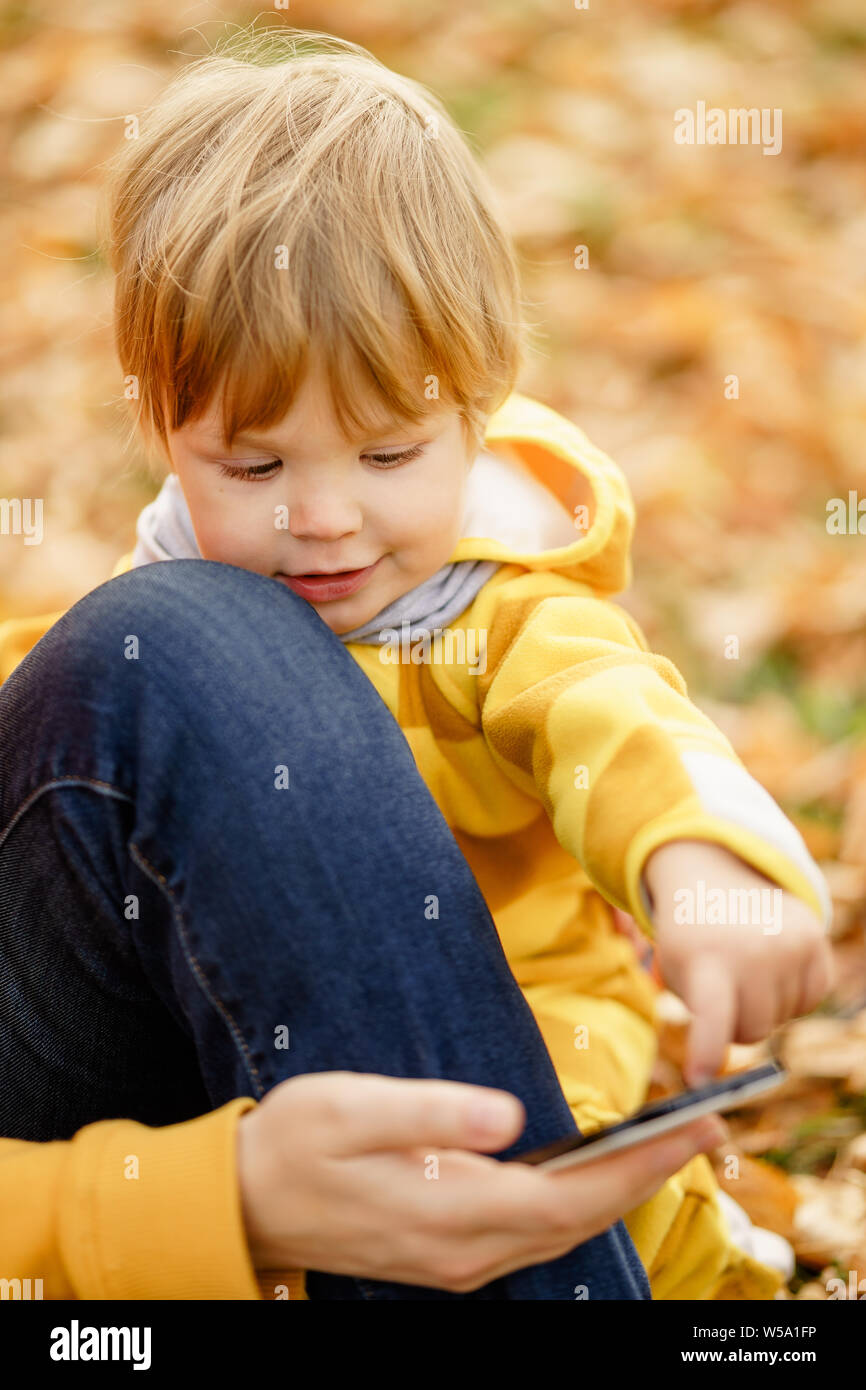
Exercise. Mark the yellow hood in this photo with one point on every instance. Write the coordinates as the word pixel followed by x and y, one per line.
pixel 554 452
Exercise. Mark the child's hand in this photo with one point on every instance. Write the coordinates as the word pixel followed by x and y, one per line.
pixel 740 979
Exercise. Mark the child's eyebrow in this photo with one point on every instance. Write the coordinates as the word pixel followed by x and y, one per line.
pixel 217 444
pixel 212 443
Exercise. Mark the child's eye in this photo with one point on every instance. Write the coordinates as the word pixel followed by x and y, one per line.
pixel 258 470
pixel 389 460
pixel 266 470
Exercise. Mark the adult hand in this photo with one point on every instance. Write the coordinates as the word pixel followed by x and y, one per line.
pixel 334 1174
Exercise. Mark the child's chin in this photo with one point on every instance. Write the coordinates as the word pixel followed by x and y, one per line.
pixel 344 621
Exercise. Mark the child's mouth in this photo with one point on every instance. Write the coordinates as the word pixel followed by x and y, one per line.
pixel 323 588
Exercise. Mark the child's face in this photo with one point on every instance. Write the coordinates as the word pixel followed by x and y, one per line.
pixel 322 504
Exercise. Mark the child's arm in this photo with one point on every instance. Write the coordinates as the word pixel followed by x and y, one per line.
pixel 577 711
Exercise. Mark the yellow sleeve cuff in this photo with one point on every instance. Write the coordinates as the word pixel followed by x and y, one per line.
pixel 799 877
pixel 156 1213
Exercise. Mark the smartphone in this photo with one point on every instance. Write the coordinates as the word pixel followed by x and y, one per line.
pixel 657 1118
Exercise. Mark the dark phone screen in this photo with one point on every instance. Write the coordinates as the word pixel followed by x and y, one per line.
pixel 668 1106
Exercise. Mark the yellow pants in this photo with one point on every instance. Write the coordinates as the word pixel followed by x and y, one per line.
pixel 681 1236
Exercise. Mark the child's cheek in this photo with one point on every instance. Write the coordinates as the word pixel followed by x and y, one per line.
pixel 233 532
pixel 434 521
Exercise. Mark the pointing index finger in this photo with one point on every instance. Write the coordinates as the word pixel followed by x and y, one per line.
pixel 710 995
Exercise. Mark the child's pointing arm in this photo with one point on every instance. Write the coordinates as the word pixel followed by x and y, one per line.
pixel 576 709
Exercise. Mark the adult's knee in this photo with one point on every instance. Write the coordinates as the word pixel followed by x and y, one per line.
pixel 182 606
pixel 171 616
pixel 184 631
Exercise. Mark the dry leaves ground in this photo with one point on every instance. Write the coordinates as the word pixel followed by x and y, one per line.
pixel 703 262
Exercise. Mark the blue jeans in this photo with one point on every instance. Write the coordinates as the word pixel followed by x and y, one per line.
pixel 168 904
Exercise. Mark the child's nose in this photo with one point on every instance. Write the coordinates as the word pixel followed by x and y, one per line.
pixel 324 518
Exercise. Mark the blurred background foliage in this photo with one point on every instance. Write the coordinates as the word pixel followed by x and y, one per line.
pixel 704 261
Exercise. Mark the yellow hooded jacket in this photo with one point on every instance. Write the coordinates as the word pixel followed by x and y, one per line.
pixel 561 752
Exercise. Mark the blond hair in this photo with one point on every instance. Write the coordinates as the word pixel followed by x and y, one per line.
pixel 289 200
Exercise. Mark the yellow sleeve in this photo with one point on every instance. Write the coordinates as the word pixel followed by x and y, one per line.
pixel 126 1211
pixel 577 710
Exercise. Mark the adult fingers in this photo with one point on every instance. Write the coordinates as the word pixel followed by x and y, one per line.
pixel 603 1191
pixel 367 1113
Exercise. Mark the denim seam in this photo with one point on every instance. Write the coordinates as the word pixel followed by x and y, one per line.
pixel 59 782
pixel 161 882
pixel 240 1043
